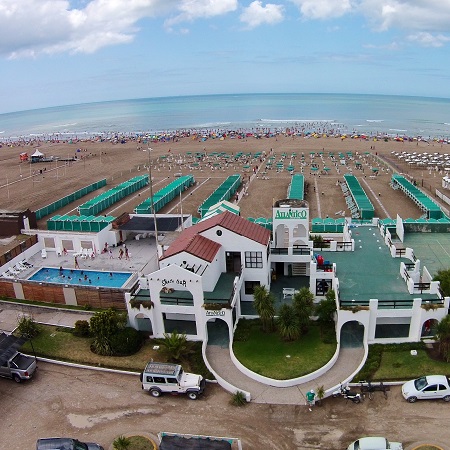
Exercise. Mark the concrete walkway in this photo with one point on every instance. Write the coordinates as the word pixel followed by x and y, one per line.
pixel 219 359
pixel 11 312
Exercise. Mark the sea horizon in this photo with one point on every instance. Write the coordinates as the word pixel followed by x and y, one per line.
pixel 370 114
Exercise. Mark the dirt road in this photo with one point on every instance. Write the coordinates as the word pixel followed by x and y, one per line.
pixel 100 406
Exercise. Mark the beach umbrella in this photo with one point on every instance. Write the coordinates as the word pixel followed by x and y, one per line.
pixel 314 169
pixel 327 169
pixel 374 169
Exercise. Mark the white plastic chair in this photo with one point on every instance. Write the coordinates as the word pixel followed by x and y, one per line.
pixel 44 253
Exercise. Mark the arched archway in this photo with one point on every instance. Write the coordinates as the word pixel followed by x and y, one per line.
pixel 428 327
pixel 143 323
pixel 218 332
pixel 352 334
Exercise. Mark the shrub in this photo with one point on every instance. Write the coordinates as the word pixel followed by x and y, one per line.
pixel 81 328
pixel 238 399
pixel 126 342
pixel 121 443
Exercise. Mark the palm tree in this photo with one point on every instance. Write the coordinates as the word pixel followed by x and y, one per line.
pixel 264 304
pixel 175 346
pixel 442 333
pixel 288 325
pixel 304 307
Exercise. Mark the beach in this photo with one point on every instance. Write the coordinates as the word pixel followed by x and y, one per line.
pixel 24 185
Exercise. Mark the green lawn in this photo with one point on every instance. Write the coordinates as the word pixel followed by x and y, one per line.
pixel 403 366
pixel 268 355
pixel 55 343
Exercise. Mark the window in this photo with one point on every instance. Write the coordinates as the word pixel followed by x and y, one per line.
pixel 253 260
pixel 442 387
pixel 219 232
pixel 149 379
pixel 431 388
pixel 172 380
pixel 249 286
pixel 160 380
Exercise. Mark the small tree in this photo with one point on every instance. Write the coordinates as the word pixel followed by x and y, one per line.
pixel 443 276
pixel 103 325
pixel 27 327
pixel 175 346
pixel 264 304
pixel 287 322
pixel 326 308
pixel 442 333
pixel 304 307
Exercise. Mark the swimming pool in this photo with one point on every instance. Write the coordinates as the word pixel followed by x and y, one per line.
pixel 76 277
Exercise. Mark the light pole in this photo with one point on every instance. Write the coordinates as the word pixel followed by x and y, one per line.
pixel 152 201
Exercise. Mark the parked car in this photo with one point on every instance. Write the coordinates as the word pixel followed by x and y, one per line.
pixel 374 443
pixel 428 387
pixel 57 443
pixel 158 378
pixel 18 367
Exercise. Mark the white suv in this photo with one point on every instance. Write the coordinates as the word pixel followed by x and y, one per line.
pixel 158 378
pixel 429 387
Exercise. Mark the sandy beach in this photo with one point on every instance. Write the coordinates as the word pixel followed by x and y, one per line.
pixel 22 185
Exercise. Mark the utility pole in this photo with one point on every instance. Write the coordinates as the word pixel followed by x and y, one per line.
pixel 152 202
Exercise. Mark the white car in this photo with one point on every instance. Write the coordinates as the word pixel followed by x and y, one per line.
pixel 374 443
pixel 429 387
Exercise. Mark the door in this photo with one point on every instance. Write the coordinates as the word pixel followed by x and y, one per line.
pixel 430 391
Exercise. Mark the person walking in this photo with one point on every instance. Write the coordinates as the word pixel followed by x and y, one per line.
pixel 111 254
pixel 311 398
pixel 77 266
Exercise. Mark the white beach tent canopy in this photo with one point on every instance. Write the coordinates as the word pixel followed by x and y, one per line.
pixel 221 207
pixel 37 154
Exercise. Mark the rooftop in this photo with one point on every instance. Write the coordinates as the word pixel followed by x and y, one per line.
pixel 370 272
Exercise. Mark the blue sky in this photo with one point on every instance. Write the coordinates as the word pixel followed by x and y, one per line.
pixel 58 52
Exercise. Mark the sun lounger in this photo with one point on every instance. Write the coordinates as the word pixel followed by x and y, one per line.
pixel 7 274
pixel 44 253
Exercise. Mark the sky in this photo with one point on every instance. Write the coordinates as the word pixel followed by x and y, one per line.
pixel 60 52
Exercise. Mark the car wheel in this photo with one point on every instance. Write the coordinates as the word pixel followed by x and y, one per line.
pixel 155 393
pixel 447 398
pixel 411 399
pixel 192 395
pixel 17 378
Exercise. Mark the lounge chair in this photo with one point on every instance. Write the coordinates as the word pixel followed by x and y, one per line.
pixel 58 251
pixel 13 271
pixel 44 253
pixel 26 263
pixel 7 274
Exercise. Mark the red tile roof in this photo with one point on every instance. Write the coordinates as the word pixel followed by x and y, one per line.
pixel 204 248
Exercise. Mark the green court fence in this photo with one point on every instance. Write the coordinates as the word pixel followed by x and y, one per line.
pixel 224 192
pixel 328 225
pixel 109 198
pixel 79 223
pixel 296 189
pixel 425 203
pixel 362 202
pixel 52 207
pixel 165 195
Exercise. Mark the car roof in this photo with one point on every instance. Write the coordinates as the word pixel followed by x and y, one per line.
pixel 372 443
pixel 436 379
pixel 55 444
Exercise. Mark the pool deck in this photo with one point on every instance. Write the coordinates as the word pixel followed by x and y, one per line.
pixel 142 253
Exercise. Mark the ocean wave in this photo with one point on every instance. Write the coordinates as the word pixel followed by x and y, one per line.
pixel 445 123
pixel 400 131
pixel 1 132
pixel 65 125
pixel 375 120
pixel 297 120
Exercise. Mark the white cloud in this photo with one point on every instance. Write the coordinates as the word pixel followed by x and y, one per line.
pixel 420 15
pixel 323 9
pixel 33 27
pixel 256 14
pixel 428 39
pixel 189 10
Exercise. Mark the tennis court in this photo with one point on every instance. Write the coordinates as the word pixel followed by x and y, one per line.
pixel 433 249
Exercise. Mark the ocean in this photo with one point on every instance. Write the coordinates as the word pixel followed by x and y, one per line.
pixel 342 113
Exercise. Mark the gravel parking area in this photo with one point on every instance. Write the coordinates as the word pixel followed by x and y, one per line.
pixel 97 406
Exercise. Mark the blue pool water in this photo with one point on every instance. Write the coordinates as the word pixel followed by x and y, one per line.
pixel 77 277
